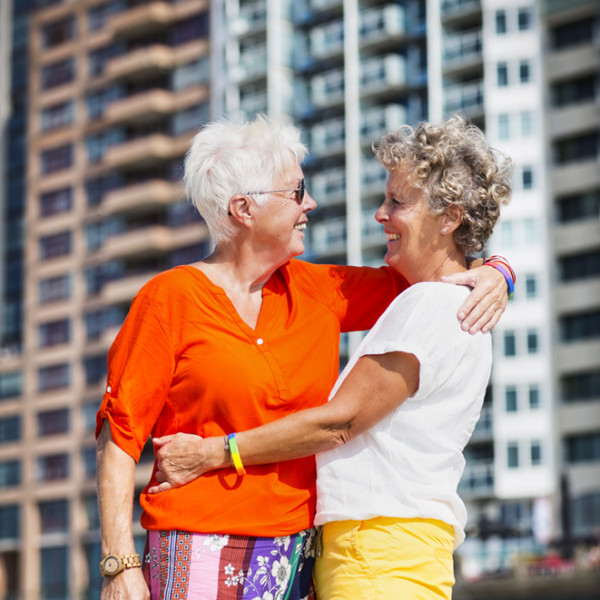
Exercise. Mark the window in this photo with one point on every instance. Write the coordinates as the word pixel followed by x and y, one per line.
pixel 99 57
pixel 586 514
pixel 53 467
pixel 58 32
pixel 97 145
pixel 511 399
pixel 10 429
pixel 57 115
pixel 582 147
pixel 89 410
pixel 58 73
pixel 56 159
pixel 56 201
pixel 581 387
pixel 527 178
pixel 58 244
pixel 532 341
pixel 507 234
pixel 534 397
pixel 574 91
pixel 512 455
pixel 10 518
pixel 55 288
pixel 530 232
pixel 531 286
pixel 502 74
pixel 53 422
pixel 526 123
pixel 524 19
pixel 510 343
pixel 54 377
pixel 11 385
pixel 524 71
pixel 536 454
pixel 501 22
pixel 583 326
pixel 578 207
pixel 582 448
pixel 54 578
pixel 89 462
pixel 572 34
pixel 95 369
pixel 190 119
pixel 98 15
pixel 504 127
pixel 54 516
pixel 190 29
pixel 190 74
pixel 54 333
pixel 579 266
pixel 10 473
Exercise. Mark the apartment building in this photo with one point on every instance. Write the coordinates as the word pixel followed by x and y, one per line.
pixel 115 91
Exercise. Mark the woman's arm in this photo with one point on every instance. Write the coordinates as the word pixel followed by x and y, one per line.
pixel 375 386
pixel 115 502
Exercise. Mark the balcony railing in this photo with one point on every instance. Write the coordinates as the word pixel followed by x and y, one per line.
pixel 465 47
pixel 466 98
pixel 477 479
pixel 252 17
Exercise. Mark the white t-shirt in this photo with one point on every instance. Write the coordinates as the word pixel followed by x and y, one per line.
pixel 410 463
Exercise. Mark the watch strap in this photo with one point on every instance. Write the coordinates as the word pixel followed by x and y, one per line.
pixel 131 560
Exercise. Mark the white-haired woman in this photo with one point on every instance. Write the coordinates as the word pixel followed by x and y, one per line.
pixel 242 338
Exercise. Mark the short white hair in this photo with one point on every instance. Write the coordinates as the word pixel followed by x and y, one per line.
pixel 226 159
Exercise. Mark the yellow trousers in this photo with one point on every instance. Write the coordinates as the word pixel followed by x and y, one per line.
pixel 385 559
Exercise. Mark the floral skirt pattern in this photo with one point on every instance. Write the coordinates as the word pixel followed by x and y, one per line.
pixel 181 565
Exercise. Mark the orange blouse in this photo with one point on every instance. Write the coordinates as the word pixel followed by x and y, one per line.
pixel 185 361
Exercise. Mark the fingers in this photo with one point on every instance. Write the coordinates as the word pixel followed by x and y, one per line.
pixel 165 486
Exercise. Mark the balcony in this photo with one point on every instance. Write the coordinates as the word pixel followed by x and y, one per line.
pixel 123 290
pixel 329 137
pixel 457 12
pixel 567 63
pixel 463 53
pixel 327 89
pixel 146 152
pixel 328 188
pixel 142 196
pixel 575 118
pixel 383 73
pixel 141 108
pixel 327 40
pixel 477 480
pixel 467 99
pixel 574 177
pixel 382 25
pixel 254 103
pixel 376 122
pixel 252 64
pixel 252 18
pixel 578 296
pixel 141 63
pixel 145 19
pixel 484 428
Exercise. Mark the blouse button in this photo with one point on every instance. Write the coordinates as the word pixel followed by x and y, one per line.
pixel 108 390
pixel 260 341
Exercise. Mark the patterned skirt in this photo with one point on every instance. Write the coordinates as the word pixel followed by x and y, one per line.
pixel 183 565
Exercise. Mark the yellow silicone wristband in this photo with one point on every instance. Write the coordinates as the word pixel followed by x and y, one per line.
pixel 235 455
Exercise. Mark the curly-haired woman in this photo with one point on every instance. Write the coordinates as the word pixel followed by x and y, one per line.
pixel 390 440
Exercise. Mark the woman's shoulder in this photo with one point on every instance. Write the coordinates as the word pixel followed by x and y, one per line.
pixel 428 295
pixel 174 282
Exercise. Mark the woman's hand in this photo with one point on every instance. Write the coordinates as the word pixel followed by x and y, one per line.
pixel 183 457
pixel 127 585
pixel 484 306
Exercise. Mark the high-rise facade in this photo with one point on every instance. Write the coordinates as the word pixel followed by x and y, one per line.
pixel 115 91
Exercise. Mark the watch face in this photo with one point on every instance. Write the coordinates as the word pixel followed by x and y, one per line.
pixel 111 564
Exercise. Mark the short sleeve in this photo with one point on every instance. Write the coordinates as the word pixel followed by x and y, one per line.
pixel 141 363
pixel 423 321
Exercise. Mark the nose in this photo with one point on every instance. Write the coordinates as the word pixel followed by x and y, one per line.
pixel 308 202
pixel 381 214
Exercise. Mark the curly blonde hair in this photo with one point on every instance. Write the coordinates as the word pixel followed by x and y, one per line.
pixel 454 166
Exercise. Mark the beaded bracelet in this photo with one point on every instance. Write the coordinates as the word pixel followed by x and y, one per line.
pixel 235 455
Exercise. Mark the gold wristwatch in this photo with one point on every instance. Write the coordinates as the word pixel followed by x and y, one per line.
pixel 112 564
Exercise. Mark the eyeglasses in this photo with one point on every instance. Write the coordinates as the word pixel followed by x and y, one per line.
pixel 299 191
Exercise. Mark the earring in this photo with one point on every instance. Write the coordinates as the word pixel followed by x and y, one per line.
pixel 443 231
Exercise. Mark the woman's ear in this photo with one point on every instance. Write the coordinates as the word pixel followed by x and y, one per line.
pixel 451 219
pixel 240 209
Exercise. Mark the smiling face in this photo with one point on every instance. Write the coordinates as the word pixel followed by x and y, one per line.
pixel 413 232
pixel 280 220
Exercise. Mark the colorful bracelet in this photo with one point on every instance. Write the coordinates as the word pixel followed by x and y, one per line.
pixel 235 455
pixel 500 259
pixel 509 282
pixel 227 449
